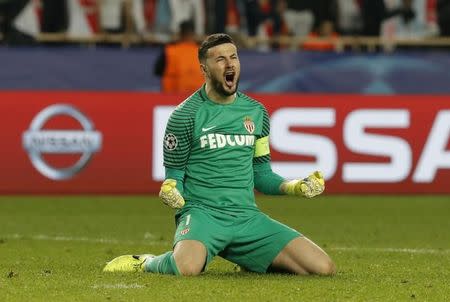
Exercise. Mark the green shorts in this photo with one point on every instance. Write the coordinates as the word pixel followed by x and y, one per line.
pixel 252 240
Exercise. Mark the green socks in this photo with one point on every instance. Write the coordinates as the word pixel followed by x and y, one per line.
pixel 162 264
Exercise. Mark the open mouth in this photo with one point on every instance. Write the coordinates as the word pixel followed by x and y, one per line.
pixel 229 78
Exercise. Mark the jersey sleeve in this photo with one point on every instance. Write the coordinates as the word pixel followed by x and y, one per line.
pixel 177 140
pixel 265 180
pixel 262 149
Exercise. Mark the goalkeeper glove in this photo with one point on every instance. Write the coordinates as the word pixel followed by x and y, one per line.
pixel 309 187
pixel 170 194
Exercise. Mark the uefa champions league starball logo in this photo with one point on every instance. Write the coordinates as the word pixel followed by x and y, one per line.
pixel 170 141
pixel 38 141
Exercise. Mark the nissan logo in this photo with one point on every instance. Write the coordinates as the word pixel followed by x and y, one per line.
pixel 37 141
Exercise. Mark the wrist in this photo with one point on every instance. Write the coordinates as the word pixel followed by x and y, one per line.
pixel 288 187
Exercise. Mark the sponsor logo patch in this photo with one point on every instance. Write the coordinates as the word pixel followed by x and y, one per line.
pixel 40 143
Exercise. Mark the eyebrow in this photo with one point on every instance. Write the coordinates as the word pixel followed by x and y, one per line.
pixel 222 56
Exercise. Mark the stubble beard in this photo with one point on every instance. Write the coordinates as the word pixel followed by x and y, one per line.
pixel 218 86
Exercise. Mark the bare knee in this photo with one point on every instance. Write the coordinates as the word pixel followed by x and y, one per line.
pixel 326 268
pixel 190 257
pixel 189 269
pixel 302 256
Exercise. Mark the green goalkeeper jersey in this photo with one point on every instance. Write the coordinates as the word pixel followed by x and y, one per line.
pixel 216 146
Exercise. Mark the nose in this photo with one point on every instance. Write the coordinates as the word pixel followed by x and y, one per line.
pixel 229 63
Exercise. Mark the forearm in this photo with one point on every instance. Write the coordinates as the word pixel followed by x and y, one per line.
pixel 177 175
pixel 266 181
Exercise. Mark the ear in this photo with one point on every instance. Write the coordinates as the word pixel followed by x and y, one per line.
pixel 204 70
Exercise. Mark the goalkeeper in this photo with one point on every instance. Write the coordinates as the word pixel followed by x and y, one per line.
pixel 216 151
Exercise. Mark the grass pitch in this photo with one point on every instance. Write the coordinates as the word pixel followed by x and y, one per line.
pixel 387 248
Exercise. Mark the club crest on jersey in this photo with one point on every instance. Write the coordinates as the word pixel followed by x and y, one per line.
pixel 249 124
pixel 170 141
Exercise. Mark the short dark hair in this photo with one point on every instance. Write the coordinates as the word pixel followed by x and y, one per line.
pixel 211 41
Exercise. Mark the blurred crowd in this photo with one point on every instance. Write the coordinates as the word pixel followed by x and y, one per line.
pixel 22 20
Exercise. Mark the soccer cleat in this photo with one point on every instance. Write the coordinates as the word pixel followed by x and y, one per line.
pixel 170 195
pixel 127 263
